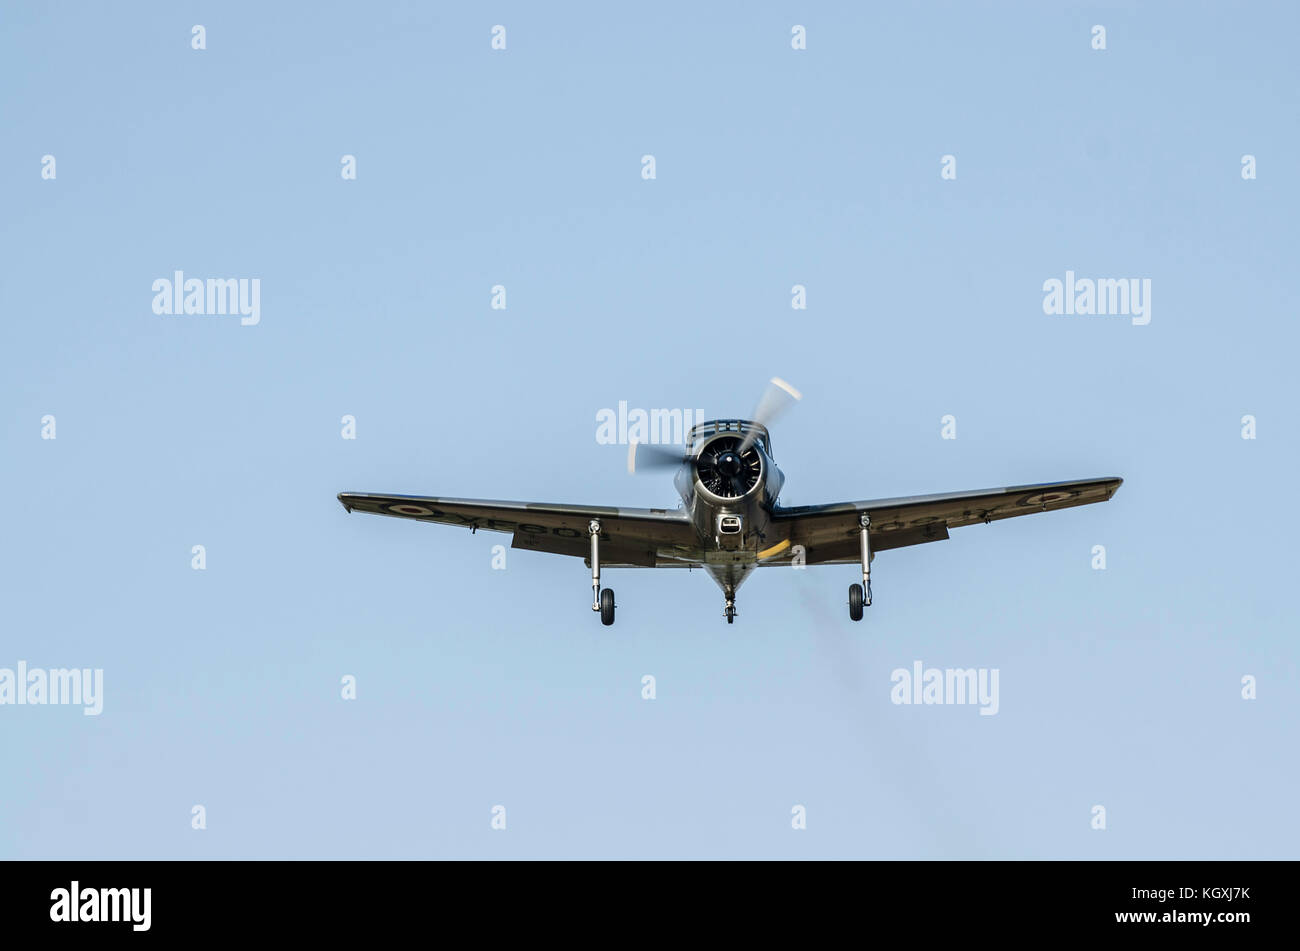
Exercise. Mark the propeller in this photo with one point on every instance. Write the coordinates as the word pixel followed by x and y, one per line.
pixel 778 397
pixel 729 460
pixel 650 457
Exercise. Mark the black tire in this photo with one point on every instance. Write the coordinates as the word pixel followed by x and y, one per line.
pixel 607 607
pixel 855 602
pixel 731 617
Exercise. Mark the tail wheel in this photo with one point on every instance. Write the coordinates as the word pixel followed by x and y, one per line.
pixel 607 607
pixel 855 602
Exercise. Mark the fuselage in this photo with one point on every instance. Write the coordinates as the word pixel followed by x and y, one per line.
pixel 729 485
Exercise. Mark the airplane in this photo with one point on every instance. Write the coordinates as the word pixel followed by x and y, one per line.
pixel 730 520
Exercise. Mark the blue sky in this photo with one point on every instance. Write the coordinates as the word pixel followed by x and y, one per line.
pixel 775 167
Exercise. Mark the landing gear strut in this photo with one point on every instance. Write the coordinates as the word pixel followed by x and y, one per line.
pixel 602 601
pixel 860 594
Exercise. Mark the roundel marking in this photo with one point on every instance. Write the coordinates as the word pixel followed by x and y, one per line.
pixel 410 509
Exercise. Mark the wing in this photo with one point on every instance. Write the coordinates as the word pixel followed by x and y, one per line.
pixel 829 533
pixel 642 538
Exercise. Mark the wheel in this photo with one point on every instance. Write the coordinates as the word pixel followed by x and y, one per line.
pixel 855 602
pixel 731 615
pixel 607 607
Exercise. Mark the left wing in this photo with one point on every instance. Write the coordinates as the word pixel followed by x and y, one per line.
pixel 830 533
pixel 640 538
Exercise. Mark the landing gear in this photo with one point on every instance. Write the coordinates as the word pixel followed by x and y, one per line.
pixel 602 601
pixel 860 594
pixel 730 610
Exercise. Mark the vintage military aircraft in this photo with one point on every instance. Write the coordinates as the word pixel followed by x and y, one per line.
pixel 730 521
